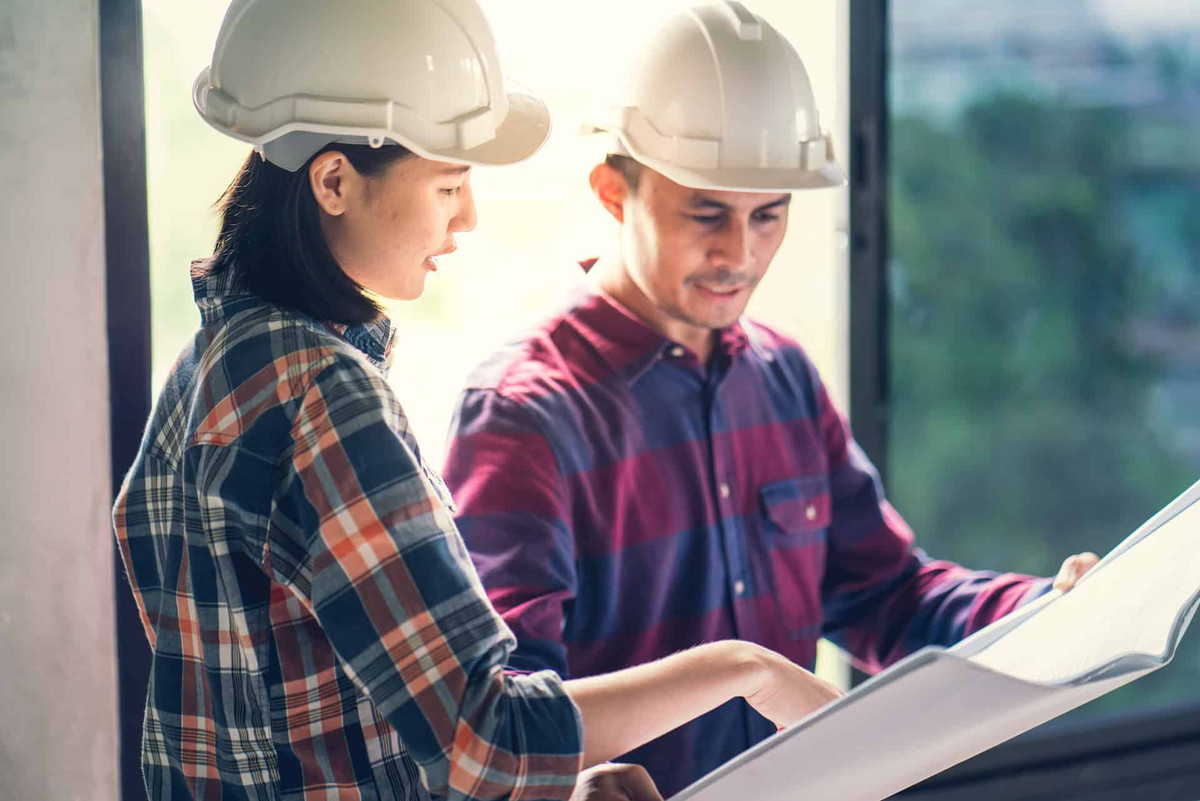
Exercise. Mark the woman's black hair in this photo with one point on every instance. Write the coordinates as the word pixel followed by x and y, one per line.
pixel 271 237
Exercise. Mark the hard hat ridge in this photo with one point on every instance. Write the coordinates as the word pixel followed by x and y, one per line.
pixel 424 74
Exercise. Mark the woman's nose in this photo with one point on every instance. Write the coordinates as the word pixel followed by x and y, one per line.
pixel 466 218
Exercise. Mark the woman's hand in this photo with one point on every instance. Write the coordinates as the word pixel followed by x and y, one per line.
pixel 631 707
pixel 785 692
pixel 615 782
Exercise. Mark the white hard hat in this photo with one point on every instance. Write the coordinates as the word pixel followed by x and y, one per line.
pixel 720 100
pixel 291 76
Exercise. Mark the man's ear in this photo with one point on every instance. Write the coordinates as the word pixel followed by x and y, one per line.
pixel 331 176
pixel 610 188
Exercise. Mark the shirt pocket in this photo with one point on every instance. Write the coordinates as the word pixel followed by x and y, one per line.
pixel 796 516
pixel 796 510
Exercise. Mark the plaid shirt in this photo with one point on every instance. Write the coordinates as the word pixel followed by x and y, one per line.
pixel 622 503
pixel 317 628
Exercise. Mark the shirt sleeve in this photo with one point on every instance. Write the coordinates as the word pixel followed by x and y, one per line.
pixel 512 512
pixel 362 539
pixel 883 598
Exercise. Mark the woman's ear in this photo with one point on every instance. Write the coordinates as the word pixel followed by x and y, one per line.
pixel 331 177
pixel 610 188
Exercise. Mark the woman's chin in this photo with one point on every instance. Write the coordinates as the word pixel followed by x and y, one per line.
pixel 411 290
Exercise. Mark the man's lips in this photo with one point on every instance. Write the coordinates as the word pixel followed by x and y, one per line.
pixel 719 292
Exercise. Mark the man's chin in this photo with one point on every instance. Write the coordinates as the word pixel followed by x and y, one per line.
pixel 715 322
pixel 726 314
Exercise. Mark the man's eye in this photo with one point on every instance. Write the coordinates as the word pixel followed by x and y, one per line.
pixel 765 218
pixel 452 191
pixel 705 219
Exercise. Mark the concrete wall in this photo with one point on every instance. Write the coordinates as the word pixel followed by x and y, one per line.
pixel 57 669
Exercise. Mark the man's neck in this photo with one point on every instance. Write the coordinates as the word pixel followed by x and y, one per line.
pixel 611 277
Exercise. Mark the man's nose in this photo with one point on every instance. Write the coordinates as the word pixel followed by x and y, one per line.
pixel 733 246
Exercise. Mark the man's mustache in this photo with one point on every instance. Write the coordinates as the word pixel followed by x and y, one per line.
pixel 725 278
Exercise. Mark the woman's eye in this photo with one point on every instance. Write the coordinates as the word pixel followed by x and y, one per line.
pixel 451 191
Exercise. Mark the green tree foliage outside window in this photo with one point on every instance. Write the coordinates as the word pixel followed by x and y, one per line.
pixel 1043 278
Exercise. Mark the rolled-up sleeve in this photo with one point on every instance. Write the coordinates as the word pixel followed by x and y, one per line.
pixel 361 537
pixel 883 598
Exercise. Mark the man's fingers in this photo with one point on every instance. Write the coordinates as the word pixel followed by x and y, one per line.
pixel 1073 569
pixel 1065 579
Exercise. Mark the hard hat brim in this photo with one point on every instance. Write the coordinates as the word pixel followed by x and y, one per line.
pixel 751 179
pixel 745 179
pixel 727 179
pixel 524 130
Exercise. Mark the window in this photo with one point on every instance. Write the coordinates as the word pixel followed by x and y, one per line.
pixel 536 219
pixel 1045 262
pixel 1009 355
pixel 1035 321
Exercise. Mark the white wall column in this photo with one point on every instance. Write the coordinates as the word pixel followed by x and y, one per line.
pixel 57 666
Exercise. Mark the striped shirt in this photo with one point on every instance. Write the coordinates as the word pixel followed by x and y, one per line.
pixel 622 502
pixel 317 628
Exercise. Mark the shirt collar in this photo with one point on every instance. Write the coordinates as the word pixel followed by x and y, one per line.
pixel 219 297
pixel 626 343
pixel 375 340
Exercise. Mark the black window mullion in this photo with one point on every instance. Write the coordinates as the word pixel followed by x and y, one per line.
pixel 868 227
pixel 127 258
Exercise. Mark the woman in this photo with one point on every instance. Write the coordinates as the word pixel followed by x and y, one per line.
pixel 317 626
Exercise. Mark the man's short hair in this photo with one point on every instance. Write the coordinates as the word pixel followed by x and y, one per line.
pixel 629 169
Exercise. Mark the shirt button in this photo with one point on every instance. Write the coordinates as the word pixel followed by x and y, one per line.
pixel 739 587
pixel 810 512
pixel 724 489
pixel 676 351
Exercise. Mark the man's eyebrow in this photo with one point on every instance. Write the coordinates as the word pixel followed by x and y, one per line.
pixel 704 202
pixel 777 203
pixel 455 169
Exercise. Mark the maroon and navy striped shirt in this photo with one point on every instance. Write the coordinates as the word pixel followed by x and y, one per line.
pixel 621 502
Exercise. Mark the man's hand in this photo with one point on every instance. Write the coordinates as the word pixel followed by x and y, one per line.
pixel 1074 568
pixel 615 782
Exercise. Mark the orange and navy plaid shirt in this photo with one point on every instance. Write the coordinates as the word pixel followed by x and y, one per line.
pixel 317 628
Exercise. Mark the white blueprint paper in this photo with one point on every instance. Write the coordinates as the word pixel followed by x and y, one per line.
pixel 940 707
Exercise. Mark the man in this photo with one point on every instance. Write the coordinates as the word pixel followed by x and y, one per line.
pixel 648 470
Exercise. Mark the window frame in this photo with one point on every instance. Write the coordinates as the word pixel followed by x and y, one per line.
pixel 127 312
pixel 1156 753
